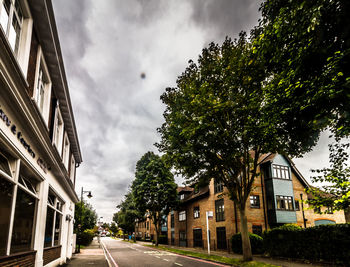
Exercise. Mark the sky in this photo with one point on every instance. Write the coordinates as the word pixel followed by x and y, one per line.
pixel 106 46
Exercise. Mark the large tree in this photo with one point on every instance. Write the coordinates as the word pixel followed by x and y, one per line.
pixel 217 124
pixel 306 47
pixel 154 189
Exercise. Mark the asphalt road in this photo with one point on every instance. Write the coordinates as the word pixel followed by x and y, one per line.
pixel 124 254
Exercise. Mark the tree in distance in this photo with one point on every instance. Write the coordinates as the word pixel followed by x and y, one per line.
pixel 154 189
pixel 85 216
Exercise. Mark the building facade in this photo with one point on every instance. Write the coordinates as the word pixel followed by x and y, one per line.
pixel 275 200
pixel 39 147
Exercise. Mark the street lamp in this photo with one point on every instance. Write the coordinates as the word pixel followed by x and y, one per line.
pixel 81 213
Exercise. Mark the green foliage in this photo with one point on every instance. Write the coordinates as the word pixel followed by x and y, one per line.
pixel 255 241
pixel 335 192
pixel 86 237
pixel 113 228
pixel 325 242
pixel 85 216
pixel 306 48
pixel 127 214
pixel 154 188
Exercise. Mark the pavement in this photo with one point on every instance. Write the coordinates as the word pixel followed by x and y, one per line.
pixel 92 255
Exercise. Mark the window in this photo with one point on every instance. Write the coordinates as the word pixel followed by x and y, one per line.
pixel 172 220
pixel 219 210
pixel 182 239
pixel 284 203
pixel 24 218
pixel 42 86
pixel 4 166
pixel 196 212
pixel 297 206
pixel 182 216
pixel 329 210
pixel 58 130
pixel 255 202
pixel 281 172
pixel 6 195
pixel 218 186
pixel 11 20
pixel 65 152
pixel 72 169
pixel 182 196
pixel 53 220
pixel 257 229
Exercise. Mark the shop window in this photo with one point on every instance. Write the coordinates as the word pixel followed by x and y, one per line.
pixel 255 202
pixel 4 165
pixel 196 212
pixel 218 186
pixel 219 210
pixel 23 222
pixel 6 195
pixel 182 216
pixel 281 172
pixel 284 203
pixel 53 220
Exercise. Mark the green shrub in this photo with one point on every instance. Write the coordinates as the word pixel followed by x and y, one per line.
pixel 86 237
pixel 256 243
pixel 328 243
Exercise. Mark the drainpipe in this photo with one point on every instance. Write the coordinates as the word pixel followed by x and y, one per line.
pixel 234 204
pixel 263 199
pixel 302 208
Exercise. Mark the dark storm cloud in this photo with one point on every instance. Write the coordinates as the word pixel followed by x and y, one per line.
pixel 226 17
pixel 106 45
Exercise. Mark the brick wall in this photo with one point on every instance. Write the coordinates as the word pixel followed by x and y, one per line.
pixel 51 254
pixel 26 259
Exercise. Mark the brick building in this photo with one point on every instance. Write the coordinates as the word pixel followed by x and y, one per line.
pixel 275 200
pixel 39 147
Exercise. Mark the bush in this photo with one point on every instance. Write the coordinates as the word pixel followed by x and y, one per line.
pixel 86 237
pixel 329 243
pixel 256 243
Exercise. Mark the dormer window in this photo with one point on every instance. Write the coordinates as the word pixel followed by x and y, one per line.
pixel 182 196
pixel 42 87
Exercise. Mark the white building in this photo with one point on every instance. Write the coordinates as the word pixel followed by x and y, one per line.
pixel 39 148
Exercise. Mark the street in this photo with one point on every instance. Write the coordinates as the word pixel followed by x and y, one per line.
pixel 124 254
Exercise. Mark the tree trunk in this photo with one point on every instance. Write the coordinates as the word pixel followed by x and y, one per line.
pixel 246 248
pixel 157 226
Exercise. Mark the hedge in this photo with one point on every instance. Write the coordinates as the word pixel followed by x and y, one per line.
pixel 86 237
pixel 256 243
pixel 330 243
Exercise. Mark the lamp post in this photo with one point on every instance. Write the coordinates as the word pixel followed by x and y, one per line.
pixel 81 213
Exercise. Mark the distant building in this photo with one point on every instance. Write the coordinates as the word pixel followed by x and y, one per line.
pixel 275 200
pixel 39 147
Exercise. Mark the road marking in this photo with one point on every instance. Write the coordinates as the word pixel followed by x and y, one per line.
pixel 157 257
pixel 105 249
pixel 178 264
pixel 165 260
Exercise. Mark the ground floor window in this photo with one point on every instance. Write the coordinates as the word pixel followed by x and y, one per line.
pixel 53 220
pixel 183 239
pixel 221 237
pixel 18 204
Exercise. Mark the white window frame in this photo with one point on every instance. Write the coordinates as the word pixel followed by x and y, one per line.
pixel 66 150
pixel 72 168
pixel 54 207
pixel 26 27
pixel 182 216
pixel 57 136
pixel 41 73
